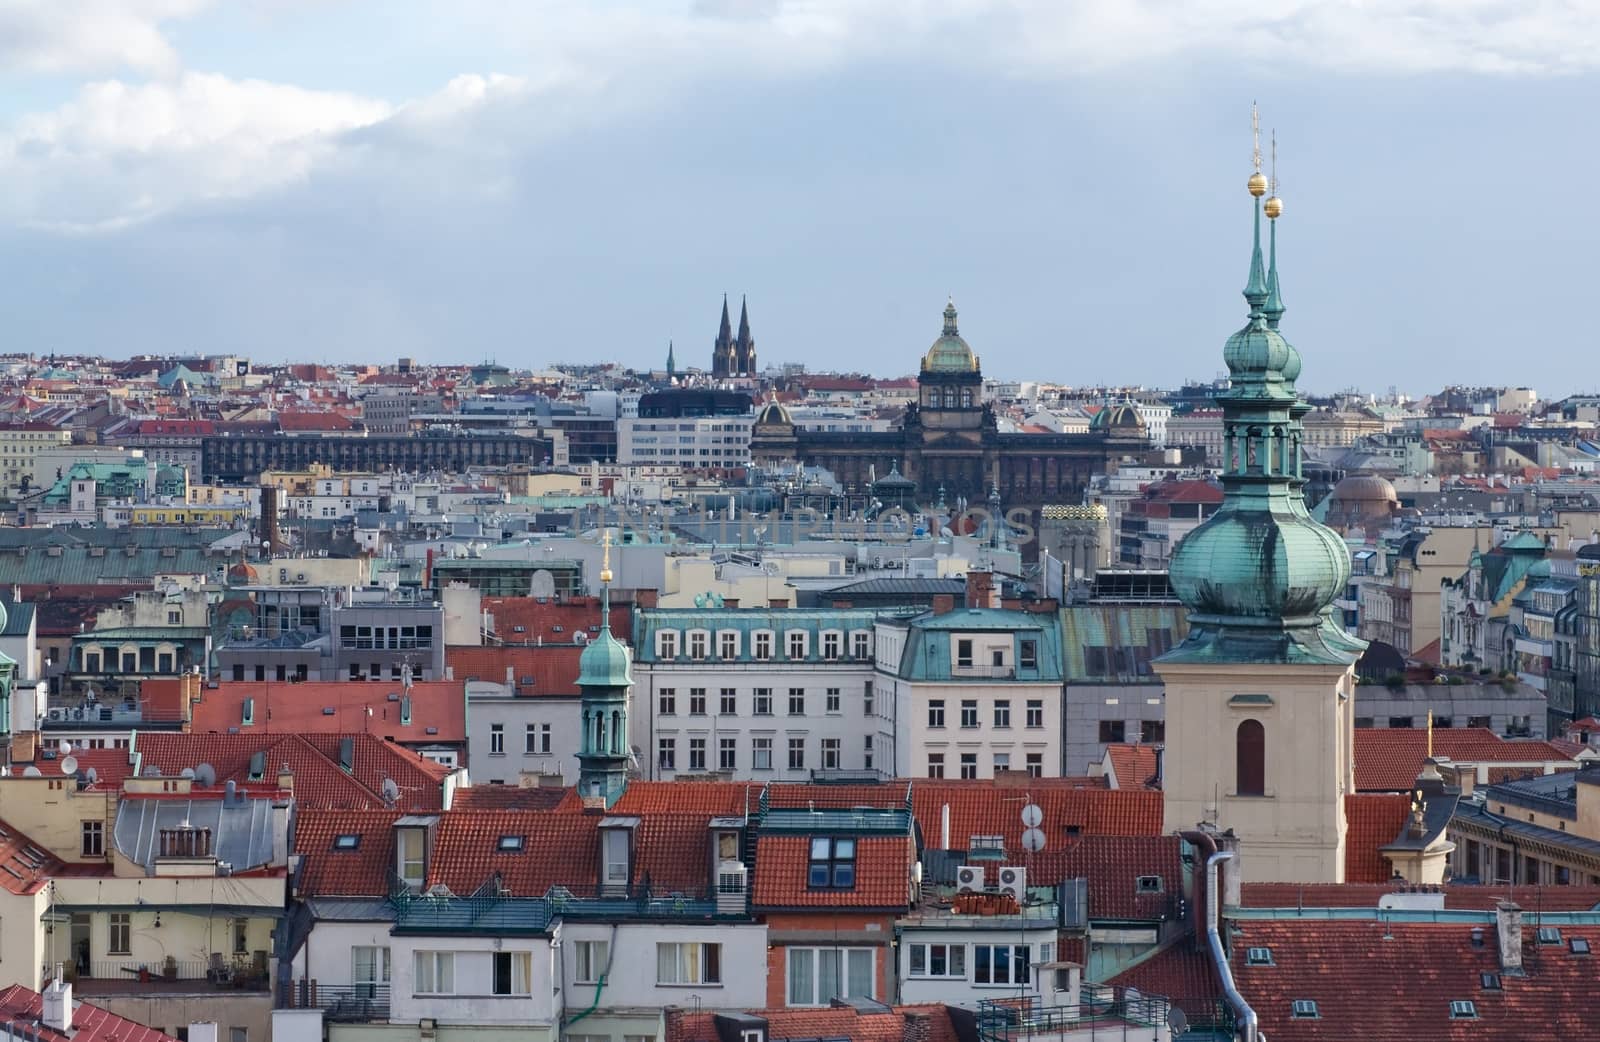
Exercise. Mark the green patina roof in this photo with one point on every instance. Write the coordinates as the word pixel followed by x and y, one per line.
pixel 605 662
pixel 950 353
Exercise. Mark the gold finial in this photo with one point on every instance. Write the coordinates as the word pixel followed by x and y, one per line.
pixel 605 559
pixel 1258 181
pixel 1273 207
pixel 1430 734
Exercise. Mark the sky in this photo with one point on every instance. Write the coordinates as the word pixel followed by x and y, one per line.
pixel 533 181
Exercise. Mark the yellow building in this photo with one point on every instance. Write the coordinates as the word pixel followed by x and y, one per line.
pixel 19 443
pixel 188 514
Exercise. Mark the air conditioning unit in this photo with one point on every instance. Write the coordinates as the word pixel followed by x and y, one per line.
pixel 1014 881
pixel 969 879
pixel 732 877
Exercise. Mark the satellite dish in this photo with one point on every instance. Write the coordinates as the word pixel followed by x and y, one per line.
pixel 391 791
pixel 1177 1021
pixel 92 776
pixel 152 771
pixel 1032 840
pixel 1032 816
pixel 66 747
pixel 205 775
pixel 32 772
pixel 69 765
pixel 187 772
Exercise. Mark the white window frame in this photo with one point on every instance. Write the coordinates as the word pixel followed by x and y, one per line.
pixel 761 754
pixel 698 645
pixel 433 973
pixel 589 961
pixel 861 644
pixel 728 644
pixel 762 644
pixel 689 969
pixel 404 862
pixel 796 643
pixel 832 644
pixel 666 645
pixel 795 955
pixel 953 953
pixel 520 985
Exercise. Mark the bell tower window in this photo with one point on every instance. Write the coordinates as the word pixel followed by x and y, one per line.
pixel 1250 759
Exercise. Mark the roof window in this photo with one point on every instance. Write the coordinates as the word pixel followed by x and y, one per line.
pixel 346 841
pixel 1258 956
pixel 1490 981
pixel 509 843
pixel 1304 1009
pixel 1579 946
pixel 1549 935
pixel 1463 1009
pixel 1148 885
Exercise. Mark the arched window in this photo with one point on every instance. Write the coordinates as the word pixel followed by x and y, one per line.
pixel 949 397
pixel 1250 759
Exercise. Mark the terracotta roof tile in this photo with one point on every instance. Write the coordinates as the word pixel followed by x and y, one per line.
pixel 1372 820
pixel 841 1022
pixel 548 671
pixel 1113 866
pixel 551 620
pixel 89 1023
pixel 514 797
pixel 287 707
pixel 883 874
pixel 1133 766
pixel 557 850
pixel 1388 759
pixel 25 866
pixel 1395 982
pixel 1466 896
pixel 332 871
pixel 1180 972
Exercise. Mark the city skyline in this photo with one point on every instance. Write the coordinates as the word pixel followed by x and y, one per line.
pixel 586 181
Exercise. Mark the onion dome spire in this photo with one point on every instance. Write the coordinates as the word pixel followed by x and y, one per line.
pixel 1273 208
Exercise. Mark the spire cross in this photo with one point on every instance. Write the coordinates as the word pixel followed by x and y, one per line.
pixel 1274 184
pixel 1430 734
pixel 605 558
pixel 1255 136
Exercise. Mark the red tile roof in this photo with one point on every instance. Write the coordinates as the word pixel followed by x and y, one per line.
pixel 553 620
pixel 313 421
pixel 20 1005
pixel 1180 972
pixel 1467 896
pixel 287 707
pixel 1113 865
pixel 883 874
pixel 557 850
pixel 514 797
pixel 1372 820
pixel 550 671
pixel 1395 981
pixel 329 871
pixel 840 1022
pixel 1388 759
pixel 1133 766
pixel 25 866
pixel 319 781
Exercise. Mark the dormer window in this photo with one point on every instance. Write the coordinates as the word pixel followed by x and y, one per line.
pixel 728 644
pixel 832 644
pixel 1148 885
pixel 699 644
pixel 761 644
pixel 1463 1009
pixel 1549 935
pixel 667 645
pixel 411 856
pixel 1304 1009
pixel 1258 957
pixel 510 844
pixel 797 643
pixel 347 841
pixel 861 644
pixel 833 864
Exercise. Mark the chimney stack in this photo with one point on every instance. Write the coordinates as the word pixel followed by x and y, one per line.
pixel 982 592
pixel 918 1027
pixel 1508 928
pixel 58 1004
pixel 285 779
pixel 943 604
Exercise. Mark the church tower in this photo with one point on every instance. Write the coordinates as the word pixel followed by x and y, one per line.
pixel 604 676
pixel 722 351
pixel 1260 695
pixel 744 348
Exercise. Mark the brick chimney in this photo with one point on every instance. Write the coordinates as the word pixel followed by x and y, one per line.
pixel 730 602
pixel 918 1026
pixel 982 591
pixel 643 598
pixel 1508 930
pixel 943 604
pixel 777 602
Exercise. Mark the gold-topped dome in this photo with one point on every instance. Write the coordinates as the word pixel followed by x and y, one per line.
pixel 1258 184
pixel 1272 207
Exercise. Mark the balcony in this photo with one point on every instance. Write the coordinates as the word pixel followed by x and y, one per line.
pixel 170 977
pixel 967 669
pixel 350 1003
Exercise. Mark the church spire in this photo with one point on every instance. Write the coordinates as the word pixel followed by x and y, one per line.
pixel 722 350
pixel 604 677
pixel 1255 289
pixel 1273 207
pixel 672 365
pixel 745 345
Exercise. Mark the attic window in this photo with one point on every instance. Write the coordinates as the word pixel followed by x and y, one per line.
pixel 509 843
pixel 1490 981
pixel 1258 957
pixel 519 629
pixel 346 841
pixel 1463 1009
pixel 1549 935
pixel 833 864
pixel 1148 884
pixel 1579 946
pixel 1304 1009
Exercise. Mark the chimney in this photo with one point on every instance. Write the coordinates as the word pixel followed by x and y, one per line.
pixel 981 590
pixel 285 778
pixel 1508 928
pixel 777 602
pixel 918 1026
pixel 943 604
pixel 730 602
pixel 643 598
pixel 58 1004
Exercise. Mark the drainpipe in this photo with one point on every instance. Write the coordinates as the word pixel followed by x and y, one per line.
pixel 1219 958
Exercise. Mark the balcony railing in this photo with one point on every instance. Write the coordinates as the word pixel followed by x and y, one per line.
pixel 343 1002
pixel 130 976
pixel 967 669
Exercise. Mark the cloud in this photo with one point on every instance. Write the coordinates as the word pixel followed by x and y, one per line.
pixel 57 36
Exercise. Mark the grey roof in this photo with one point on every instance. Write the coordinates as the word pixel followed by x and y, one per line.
pixel 352 909
pixel 241 833
pixel 19 619
pixel 898 586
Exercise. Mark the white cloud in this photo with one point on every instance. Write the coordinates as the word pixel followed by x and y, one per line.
pixel 54 36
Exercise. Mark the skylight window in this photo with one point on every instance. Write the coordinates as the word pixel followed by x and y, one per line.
pixel 1579 946
pixel 1258 956
pixel 511 843
pixel 1549 935
pixel 1463 1009
pixel 1149 884
pixel 1490 981
pixel 346 841
pixel 1304 1009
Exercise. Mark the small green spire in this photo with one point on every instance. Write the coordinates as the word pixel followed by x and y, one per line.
pixel 1255 291
pixel 672 366
pixel 1274 305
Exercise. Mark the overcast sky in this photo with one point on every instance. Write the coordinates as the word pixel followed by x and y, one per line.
pixel 539 181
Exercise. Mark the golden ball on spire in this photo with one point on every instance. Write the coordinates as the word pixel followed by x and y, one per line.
pixel 1272 207
pixel 1258 184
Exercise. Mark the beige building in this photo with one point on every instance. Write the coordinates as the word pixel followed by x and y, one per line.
pixel 1403 608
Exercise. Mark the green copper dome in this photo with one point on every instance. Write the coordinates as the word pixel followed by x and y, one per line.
pixel 1260 575
pixel 605 662
pixel 950 353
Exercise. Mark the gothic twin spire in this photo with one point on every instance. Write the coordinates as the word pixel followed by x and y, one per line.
pixel 730 355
